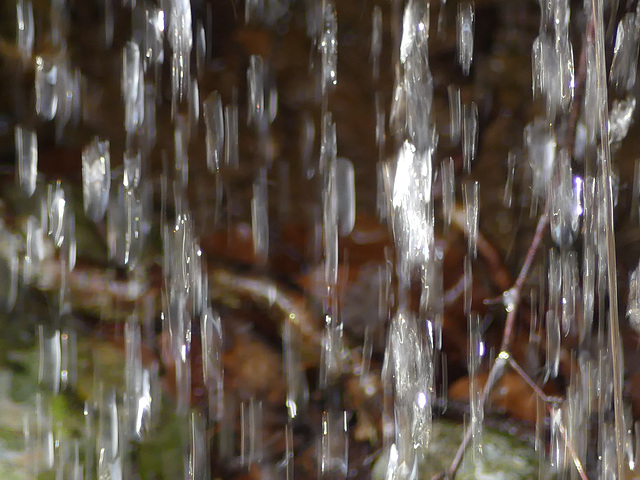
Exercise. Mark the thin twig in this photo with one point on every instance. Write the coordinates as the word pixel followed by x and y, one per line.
pixel 534 386
pixel 514 294
pixel 551 401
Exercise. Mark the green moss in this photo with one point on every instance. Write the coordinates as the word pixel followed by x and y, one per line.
pixel 503 456
pixel 161 455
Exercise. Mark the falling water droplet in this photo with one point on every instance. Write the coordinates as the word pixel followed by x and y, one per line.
pixel 132 164
pixel 569 291
pixel 376 41
pixel 260 216
pixel 27 158
pixel 565 205
pixel 181 40
pixel 107 443
pixel 231 155
pixel 45 84
pixel 153 39
pixel 212 369
pixel 181 152
pixel 455 114
pixel 214 122
pixel 328 46
pixel 201 49
pixel 57 208
pixel 476 354
pixel 466 19
pixel 345 196
pixel 255 84
pixel 540 141
pixel 553 344
pixel 448 190
pixel 25 29
pixel 621 118
pixel 470 191
pixel 469 134
pixel 334 446
pixel 132 87
pixel 625 54
pixel 507 198
pixel 96 178
pixel 198 461
pixel 633 303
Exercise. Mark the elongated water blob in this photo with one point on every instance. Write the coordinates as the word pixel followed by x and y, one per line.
pixel 633 302
pixel 334 446
pixel 45 84
pixel 346 195
pixel 214 122
pixel 466 21
pixel 27 158
pixel 570 292
pixel 181 152
pixel 132 87
pixel 231 154
pixel 255 84
pixel 604 155
pixel 621 118
pixel 132 164
pixel 507 197
pixel 476 353
pixel 455 114
pixel 181 40
pixel 565 205
pixel 469 134
pixel 198 457
pixel 376 41
pixel 625 54
pixel 25 28
pixel 328 46
pixel 259 216
pixel 448 190
pixel 152 36
pixel 96 178
pixel 212 369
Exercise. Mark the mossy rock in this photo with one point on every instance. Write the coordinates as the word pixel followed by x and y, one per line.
pixel 503 457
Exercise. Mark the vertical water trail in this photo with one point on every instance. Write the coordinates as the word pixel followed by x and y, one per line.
pixel 27 158
pixel 604 155
pixel 376 41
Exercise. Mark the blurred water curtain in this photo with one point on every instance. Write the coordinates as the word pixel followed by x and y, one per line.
pixel 188 290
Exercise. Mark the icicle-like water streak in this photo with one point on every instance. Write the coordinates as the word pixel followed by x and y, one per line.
pixel 605 170
pixel 466 20
pixel 25 28
pixel 214 122
pixel 181 40
pixel 96 178
pixel 409 363
pixel 413 226
pixel 27 158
